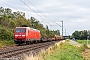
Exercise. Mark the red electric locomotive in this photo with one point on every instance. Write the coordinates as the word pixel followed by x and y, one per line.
pixel 26 35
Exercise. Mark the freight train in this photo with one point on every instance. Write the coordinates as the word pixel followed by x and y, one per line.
pixel 56 37
pixel 28 35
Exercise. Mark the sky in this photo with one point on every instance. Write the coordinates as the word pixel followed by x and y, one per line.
pixel 74 13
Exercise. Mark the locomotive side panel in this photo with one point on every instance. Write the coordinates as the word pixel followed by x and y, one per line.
pixel 38 35
pixel 34 35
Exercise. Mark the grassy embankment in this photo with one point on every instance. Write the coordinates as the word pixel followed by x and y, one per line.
pixel 86 52
pixel 62 51
pixel 4 43
pixel 67 52
pixel 83 41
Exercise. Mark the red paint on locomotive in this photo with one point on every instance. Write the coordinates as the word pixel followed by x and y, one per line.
pixel 26 34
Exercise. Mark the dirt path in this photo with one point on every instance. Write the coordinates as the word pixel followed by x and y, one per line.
pixel 73 42
pixel 86 54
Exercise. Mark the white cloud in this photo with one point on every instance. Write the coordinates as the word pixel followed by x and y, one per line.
pixel 78 21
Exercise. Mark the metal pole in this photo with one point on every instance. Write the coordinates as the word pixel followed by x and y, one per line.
pixel 65 32
pixel 62 28
pixel 87 40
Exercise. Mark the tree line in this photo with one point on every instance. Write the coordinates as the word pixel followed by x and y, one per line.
pixel 9 20
pixel 82 35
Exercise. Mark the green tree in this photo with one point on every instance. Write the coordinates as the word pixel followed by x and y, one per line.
pixel 81 34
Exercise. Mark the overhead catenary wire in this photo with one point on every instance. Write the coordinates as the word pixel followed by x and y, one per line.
pixel 29 7
pixel 39 11
pixel 33 11
pixel 36 7
pixel 8 4
pixel 57 24
pixel 16 9
pixel 42 13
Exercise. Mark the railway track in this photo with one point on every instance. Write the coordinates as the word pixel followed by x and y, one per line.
pixel 13 51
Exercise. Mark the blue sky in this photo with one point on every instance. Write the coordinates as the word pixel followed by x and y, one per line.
pixel 74 13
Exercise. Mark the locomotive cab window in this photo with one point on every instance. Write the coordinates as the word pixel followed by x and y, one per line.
pixel 23 30
pixel 17 30
pixel 20 30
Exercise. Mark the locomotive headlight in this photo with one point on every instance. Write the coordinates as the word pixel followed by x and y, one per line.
pixel 16 35
pixel 23 35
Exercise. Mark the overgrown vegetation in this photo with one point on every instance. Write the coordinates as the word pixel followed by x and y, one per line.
pixel 6 34
pixel 65 51
pixel 83 41
pixel 4 43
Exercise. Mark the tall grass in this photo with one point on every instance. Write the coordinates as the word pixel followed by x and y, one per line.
pixel 83 41
pixel 66 52
pixel 4 43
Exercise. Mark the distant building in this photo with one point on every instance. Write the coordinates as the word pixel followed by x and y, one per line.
pixel 66 37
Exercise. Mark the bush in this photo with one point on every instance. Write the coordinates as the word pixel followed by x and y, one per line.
pixel 6 34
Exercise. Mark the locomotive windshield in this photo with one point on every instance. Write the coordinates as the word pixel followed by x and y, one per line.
pixel 20 29
pixel 23 30
pixel 17 30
